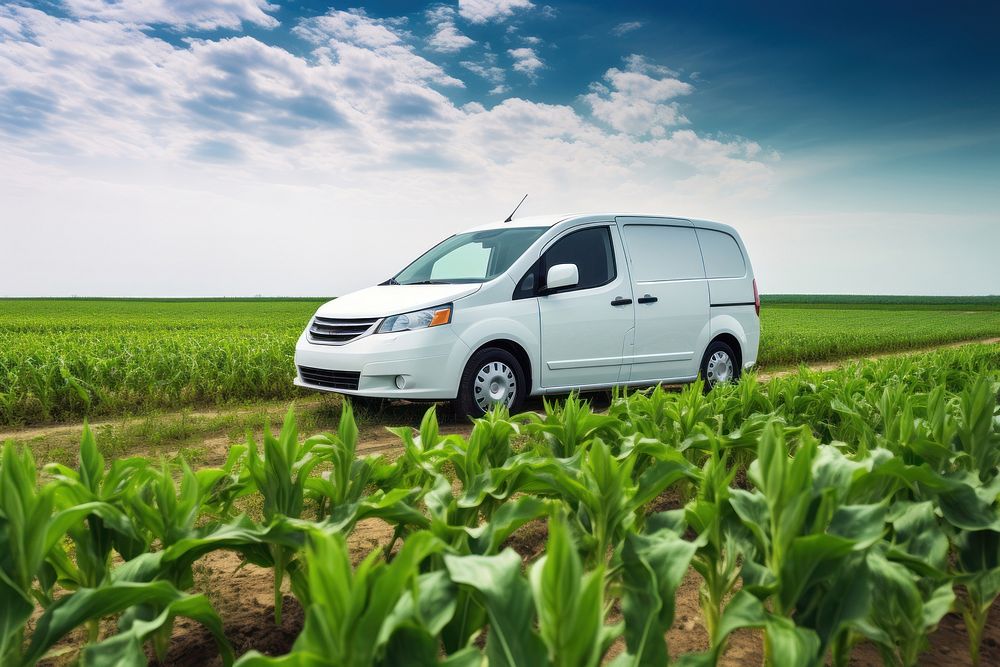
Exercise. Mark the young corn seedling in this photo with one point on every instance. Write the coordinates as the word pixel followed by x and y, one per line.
pixel 26 538
pixel 603 499
pixel 31 558
pixel 967 494
pixel 162 510
pixel 653 566
pixel 905 609
pixel 570 603
pixel 978 571
pixel 710 515
pixel 126 646
pixel 806 543
pixel 457 527
pixel 280 477
pixel 221 487
pixel 377 614
pixel 497 585
pixel 567 427
pixel 341 493
pixel 99 534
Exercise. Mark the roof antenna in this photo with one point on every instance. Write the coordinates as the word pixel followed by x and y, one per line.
pixel 511 216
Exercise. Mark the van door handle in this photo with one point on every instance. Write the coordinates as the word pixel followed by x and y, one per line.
pixel 647 298
pixel 619 301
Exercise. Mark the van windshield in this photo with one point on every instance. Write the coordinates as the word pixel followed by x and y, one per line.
pixel 473 257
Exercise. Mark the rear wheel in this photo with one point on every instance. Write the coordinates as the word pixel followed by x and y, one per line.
pixel 492 376
pixel 719 365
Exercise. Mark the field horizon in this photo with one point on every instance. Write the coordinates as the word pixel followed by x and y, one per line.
pixel 774 299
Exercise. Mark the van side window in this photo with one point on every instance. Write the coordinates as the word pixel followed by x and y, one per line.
pixel 661 252
pixel 590 249
pixel 723 258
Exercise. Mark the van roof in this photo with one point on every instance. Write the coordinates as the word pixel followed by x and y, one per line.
pixel 551 220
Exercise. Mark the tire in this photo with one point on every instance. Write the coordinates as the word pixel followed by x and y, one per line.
pixel 720 364
pixel 490 370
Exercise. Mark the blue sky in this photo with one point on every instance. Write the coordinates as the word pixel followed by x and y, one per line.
pixel 191 147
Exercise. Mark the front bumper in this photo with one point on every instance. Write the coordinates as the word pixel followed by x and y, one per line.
pixel 430 360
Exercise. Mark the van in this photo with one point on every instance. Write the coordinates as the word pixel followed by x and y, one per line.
pixel 544 305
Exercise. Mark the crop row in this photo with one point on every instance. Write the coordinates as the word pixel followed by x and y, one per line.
pixel 66 359
pixel 870 498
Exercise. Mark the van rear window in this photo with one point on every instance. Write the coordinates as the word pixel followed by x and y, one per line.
pixel 723 258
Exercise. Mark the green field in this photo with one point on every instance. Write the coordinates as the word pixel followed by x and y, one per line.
pixel 838 517
pixel 797 334
pixel 61 359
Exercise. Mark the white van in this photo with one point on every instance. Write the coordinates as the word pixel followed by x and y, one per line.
pixel 544 305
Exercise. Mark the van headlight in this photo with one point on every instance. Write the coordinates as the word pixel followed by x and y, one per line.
pixel 418 319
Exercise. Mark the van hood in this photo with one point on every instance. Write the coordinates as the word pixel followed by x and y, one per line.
pixel 385 300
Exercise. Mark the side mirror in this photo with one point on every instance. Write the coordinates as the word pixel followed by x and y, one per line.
pixel 561 275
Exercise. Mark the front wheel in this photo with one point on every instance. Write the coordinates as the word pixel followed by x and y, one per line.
pixel 719 365
pixel 493 376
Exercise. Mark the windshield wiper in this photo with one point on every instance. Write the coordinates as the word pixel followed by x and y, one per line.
pixel 390 281
pixel 427 282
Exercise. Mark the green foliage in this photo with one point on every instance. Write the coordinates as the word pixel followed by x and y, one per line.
pixel 869 497
pixel 61 358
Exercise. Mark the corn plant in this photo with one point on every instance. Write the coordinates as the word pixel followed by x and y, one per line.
pixel 604 501
pixel 280 477
pixel 32 527
pixel 499 587
pixel 653 566
pixel 566 427
pixel 710 515
pixel 569 603
pixel 341 493
pixel 905 609
pixel 806 544
pixel 126 646
pixel 978 571
pixel 99 535
pixel 377 614
pixel 31 531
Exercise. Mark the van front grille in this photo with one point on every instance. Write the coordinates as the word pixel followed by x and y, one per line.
pixel 321 377
pixel 330 331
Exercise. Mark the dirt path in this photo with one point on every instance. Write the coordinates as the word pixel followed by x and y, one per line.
pixel 43 430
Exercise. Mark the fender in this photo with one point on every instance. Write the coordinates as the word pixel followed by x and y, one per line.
pixel 519 327
pixel 724 323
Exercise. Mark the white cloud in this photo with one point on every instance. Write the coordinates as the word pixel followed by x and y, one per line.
pixel 446 37
pixel 352 27
pixel 199 14
pixel 249 148
pixel 487 69
pixel 526 61
pixel 482 11
pixel 626 27
pixel 639 99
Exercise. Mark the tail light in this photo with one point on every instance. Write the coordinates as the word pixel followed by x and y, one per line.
pixel 756 298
